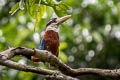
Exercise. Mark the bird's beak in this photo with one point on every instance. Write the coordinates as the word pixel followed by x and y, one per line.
pixel 62 19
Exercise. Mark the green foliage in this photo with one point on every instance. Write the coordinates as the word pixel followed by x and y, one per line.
pixel 61 9
pixel 31 3
pixel 32 7
pixel 14 8
pixel 62 55
pixel 50 2
pixel 33 11
pixel 90 38
pixel 26 76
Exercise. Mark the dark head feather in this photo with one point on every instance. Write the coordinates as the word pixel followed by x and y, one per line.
pixel 53 20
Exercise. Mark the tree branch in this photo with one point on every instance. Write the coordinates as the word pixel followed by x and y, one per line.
pixel 51 74
pixel 53 60
pixel 25 68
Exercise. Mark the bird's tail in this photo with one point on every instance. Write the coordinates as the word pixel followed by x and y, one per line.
pixel 36 59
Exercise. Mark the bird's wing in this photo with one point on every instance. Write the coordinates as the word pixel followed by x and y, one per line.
pixel 42 44
pixel 42 47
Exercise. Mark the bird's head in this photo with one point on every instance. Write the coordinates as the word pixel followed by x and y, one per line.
pixel 54 23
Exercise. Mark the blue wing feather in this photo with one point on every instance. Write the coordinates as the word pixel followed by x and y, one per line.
pixel 42 44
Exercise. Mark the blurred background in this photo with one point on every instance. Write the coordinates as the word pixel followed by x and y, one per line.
pixel 90 39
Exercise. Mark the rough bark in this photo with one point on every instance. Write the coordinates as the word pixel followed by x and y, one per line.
pixel 62 69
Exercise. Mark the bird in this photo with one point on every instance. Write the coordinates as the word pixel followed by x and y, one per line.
pixel 50 38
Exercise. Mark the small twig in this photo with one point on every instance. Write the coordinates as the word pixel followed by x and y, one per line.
pixel 15 11
pixel 38 10
pixel 21 5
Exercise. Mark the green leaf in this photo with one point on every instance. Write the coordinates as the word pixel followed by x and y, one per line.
pixel 33 11
pixel 24 74
pixel 31 2
pixel 15 7
pixel 50 2
pixel 63 45
pixel 63 57
pixel 61 9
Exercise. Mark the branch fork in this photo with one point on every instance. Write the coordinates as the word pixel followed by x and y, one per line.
pixel 63 70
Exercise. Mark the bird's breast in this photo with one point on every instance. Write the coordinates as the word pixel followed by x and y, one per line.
pixel 51 41
pixel 51 35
